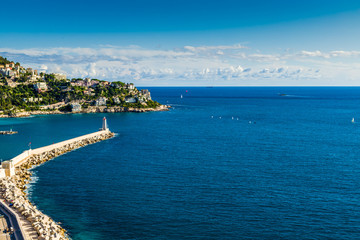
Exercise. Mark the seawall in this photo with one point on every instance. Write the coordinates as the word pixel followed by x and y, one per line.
pixel 33 224
pixel 57 149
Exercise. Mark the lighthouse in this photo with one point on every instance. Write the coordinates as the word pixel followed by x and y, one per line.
pixel 104 125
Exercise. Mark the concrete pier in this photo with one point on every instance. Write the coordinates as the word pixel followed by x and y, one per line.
pixel 8 167
pixel 29 222
pixel 57 149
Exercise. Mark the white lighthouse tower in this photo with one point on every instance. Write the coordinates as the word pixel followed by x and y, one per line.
pixel 104 125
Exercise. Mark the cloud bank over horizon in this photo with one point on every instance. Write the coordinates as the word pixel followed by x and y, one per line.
pixel 222 65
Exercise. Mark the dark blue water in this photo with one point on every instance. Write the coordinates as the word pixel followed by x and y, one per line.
pixel 292 173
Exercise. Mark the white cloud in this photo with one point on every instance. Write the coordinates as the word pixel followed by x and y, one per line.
pixel 311 54
pixel 331 54
pixel 263 57
pixel 212 48
pixel 220 64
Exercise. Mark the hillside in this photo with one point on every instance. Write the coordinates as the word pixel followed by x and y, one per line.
pixel 24 89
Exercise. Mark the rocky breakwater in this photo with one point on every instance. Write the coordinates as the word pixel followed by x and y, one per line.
pixel 43 225
pixel 12 189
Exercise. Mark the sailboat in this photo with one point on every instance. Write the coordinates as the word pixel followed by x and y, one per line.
pixel 353 120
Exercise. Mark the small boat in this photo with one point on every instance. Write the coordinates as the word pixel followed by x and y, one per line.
pixel 181 96
pixel 353 120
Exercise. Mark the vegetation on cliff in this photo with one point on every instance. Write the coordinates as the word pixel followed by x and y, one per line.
pixel 25 89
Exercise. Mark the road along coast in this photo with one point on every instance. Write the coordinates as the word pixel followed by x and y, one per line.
pixel 15 174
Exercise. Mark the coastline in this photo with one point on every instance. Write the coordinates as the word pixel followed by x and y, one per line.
pixel 88 110
pixel 13 192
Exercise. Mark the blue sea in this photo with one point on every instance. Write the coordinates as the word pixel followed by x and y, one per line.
pixel 223 163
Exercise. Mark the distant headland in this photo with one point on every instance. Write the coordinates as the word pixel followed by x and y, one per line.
pixel 25 92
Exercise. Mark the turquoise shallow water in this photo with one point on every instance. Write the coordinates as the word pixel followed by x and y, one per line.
pixel 183 174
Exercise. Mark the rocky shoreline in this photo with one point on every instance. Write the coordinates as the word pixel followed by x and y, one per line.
pixel 91 109
pixel 12 189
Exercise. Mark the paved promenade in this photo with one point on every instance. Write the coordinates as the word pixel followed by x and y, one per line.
pixel 14 220
pixel 4 225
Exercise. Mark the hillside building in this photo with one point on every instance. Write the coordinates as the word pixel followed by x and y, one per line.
pixel 41 87
pixel 101 101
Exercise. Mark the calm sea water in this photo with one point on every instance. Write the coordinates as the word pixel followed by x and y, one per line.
pixel 202 171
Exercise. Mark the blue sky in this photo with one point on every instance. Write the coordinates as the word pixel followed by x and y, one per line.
pixel 226 43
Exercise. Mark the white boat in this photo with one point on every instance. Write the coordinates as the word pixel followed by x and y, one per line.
pixel 181 96
pixel 353 120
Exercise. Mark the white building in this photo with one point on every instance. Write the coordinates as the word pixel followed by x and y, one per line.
pixel 145 94
pixel 75 107
pixel 31 99
pixel 59 76
pixel 7 72
pixel 130 86
pixel 116 100
pixel 101 101
pixel 40 86
pixel 130 99
pixel 33 78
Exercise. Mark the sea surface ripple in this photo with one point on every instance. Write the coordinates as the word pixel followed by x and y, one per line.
pixel 224 163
